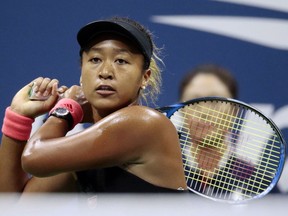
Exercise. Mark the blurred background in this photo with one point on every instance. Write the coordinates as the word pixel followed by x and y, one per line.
pixel 249 38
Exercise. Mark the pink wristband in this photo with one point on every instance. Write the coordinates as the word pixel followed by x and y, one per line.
pixel 74 108
pixel 16 126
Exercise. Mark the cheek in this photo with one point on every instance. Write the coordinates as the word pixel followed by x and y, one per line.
pixel 87 75
pixel 86 82
pixel 85 91
pixel 130 86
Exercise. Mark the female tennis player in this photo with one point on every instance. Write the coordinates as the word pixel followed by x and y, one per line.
pixel 129 148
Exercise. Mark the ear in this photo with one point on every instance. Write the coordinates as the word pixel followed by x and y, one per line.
pixel 146 77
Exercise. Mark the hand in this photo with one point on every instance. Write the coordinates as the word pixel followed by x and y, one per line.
pixel 22 104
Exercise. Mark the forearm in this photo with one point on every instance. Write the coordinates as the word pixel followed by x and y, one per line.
pixel 52 128
pixel 12 176
pixel 40 157
pixel 43 146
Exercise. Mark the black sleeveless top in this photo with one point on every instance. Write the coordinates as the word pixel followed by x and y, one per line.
pixel 116 180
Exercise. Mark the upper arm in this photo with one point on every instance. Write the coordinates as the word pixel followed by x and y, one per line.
pixel 122 137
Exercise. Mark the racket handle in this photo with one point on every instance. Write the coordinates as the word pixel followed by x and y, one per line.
pixel 34 97
pixel 79 97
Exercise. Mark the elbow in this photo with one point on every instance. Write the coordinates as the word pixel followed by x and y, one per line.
pixel 31 161
pixel 29 165
pixel 32 166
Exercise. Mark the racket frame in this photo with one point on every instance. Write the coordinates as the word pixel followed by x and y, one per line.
pixel 171 109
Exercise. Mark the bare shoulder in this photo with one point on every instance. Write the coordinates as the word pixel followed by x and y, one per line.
pixel 147 129
pixel 150 117
pixel 144 113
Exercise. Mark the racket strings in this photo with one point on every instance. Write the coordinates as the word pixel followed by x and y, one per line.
pixel 230 137
pixel 210 156
pixel 246 132
pixel 252 149
pixel 215 189
pixel 240 171
pixel 231 182
pixel 238 121
pixel 225 174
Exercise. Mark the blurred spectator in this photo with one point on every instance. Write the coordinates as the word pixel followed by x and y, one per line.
pixel 208 80
pixel 213 80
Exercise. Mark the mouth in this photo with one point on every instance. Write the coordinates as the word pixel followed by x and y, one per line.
pixel 105 90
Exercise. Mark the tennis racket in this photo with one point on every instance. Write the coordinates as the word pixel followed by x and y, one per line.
pixel 231 152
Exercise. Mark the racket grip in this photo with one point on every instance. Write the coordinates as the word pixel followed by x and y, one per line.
pixel 79 97
pixel 34 97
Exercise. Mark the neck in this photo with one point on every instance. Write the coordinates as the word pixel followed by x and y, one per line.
pixel 100 114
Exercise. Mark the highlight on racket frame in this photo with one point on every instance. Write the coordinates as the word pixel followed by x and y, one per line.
pixel 231 152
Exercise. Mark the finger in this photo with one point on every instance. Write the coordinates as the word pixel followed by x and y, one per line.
pixel 54 95
pixel 62 89
pixel 36 83
pixel 49 87
pixel 43 85
pixel 41 88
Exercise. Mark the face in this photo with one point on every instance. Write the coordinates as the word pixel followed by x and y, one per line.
pixel 204 85
pixel 112 73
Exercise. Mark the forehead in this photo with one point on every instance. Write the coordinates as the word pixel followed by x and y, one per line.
pixel 205 78
pixel 208 85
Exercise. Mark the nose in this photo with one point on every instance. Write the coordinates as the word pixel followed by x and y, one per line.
pixel 107 71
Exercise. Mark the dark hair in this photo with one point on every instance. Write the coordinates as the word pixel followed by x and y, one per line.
pixel 223 74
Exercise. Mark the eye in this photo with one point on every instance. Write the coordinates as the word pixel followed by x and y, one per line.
pixel 121 61
pixel 95 60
